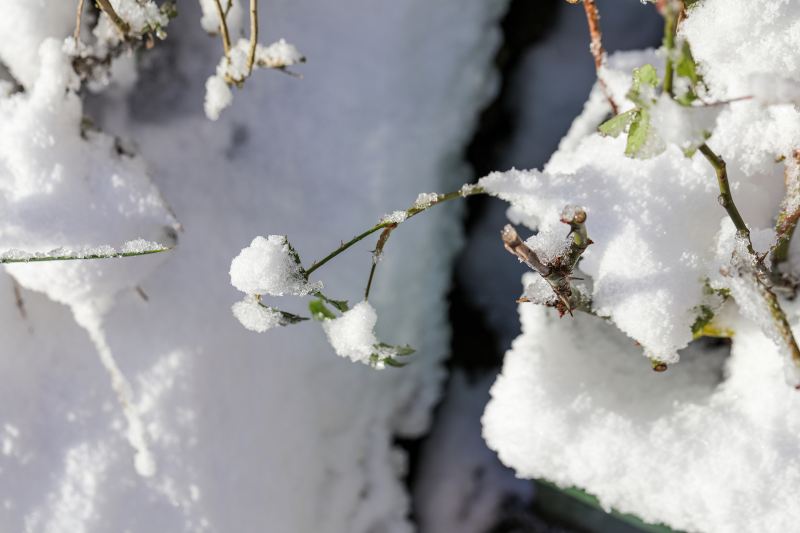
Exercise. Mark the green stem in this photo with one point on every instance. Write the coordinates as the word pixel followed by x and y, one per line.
pixel 410 212
pixel 725 195
pixel 726 199
pixel 670 29
pixel 39 259
pixel 376 256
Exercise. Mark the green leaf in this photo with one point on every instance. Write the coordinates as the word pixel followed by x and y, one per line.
pixel 643 77
pixel 638 133
pixel 286 317
pixel 319 311
pixel 388 361
pixel 616 125
pixel 341 305
pixel 396 351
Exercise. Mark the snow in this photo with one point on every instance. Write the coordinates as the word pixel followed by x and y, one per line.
pixel 352 335
pixel 269 266
pixel 218 97
pixel 244 429
pixel 254 316
pixel 686 127
pixel 575 405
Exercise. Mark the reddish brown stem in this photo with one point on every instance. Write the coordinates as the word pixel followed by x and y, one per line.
pixel 596 47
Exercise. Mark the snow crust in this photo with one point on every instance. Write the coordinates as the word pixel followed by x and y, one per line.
pixel 244 430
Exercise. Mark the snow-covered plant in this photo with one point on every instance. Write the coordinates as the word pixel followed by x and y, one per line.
pixel 679 186
pixel 239 58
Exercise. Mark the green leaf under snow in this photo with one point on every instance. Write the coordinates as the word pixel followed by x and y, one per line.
pixel 388 361
pixel 319 311
pixel 395 351
pixel 638 133
pixel 645 79
pixel 287 318
pixel 616 125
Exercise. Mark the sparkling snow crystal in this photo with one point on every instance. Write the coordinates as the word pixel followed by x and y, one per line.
pixel 269 266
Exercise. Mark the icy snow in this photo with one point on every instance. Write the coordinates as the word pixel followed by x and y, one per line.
pixel 268 266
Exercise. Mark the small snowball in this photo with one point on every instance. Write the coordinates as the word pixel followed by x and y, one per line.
pixel 352 335
pixel 279 54
pixel 269 266
pixel 218 97
pixel 255 316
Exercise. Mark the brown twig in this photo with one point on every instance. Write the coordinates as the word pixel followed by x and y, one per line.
pixel 223 29
pixel 120 24
pixel 251 54
pixel 78 15
pixel 557 274
pixel 376 256
pixel 596 47
pixel 790 211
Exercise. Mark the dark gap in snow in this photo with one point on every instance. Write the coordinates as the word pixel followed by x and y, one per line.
pixel 475 348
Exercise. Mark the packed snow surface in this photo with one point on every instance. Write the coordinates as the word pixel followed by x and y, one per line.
pixel 242 429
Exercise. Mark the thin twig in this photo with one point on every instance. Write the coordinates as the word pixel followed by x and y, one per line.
pixel 376 256
pixel 120 24
pixel 790 211
pixel 596 47
pixel 251 54
pixel 223 29
pixel 410 212
pixel 670 29
pixel 77 34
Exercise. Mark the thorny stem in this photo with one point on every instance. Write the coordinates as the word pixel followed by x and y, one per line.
pixel 725 196
pixel 558 274
pixel 79 13
pixel 376 256
pixel 410 212
pixel 251 54
pixel 726 199
pixel 223 28
pixel 790 211
pixel 596 47
pixel 120 24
